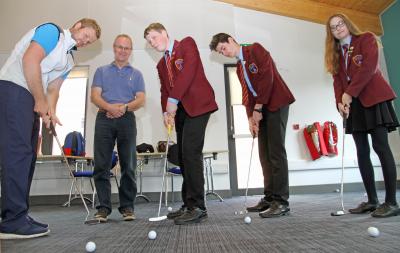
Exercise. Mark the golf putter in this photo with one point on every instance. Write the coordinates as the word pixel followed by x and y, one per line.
pixel 341 212
pixel 248 178
pixel 160 218
pixel 71 172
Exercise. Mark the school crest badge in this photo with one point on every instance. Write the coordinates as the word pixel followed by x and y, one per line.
pixel 357 59
pixel 179 64
pixel 253 68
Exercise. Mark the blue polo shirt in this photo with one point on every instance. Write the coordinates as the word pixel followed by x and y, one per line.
pixel 118 85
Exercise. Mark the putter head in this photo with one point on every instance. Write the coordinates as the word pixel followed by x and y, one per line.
pixel 92 222
pixel 337 213
pixel 159 218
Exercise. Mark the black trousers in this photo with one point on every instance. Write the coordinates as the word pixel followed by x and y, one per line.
pixel 190 133
pixel 19 130
pixel 380 144
pixel 123 131
pixel 272 152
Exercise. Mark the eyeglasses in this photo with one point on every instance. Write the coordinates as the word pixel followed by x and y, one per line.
pixel 123 48
pixel 337 26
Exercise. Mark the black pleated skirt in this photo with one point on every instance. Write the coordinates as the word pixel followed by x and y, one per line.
pixel 365 119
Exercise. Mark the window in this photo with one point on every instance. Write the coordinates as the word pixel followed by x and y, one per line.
pixel 71 109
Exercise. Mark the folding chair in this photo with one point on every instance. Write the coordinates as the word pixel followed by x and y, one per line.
pixel 82 172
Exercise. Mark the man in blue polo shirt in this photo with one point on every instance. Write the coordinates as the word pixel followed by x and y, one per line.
pixel 118 90
pixel 30 81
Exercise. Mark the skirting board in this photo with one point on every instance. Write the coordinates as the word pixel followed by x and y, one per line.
pixel 154 196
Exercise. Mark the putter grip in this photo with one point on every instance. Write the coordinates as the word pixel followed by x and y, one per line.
pixel 344 122
pixel 52 128
pixel 169 129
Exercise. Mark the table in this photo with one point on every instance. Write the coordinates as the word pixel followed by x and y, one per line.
pixel 80 162
pixel 208 156
pixel 142 159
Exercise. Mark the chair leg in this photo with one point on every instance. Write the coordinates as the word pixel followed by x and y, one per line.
pixel 172 189
pixel 68 203
pixel 94 192
pixel 116 181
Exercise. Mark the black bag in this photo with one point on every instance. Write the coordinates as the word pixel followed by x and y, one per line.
pixel 144 148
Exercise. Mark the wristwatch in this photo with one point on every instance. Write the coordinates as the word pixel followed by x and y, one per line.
pixel 258 110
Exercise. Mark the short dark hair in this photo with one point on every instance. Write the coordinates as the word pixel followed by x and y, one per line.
pixel 154 26
pixel 219 38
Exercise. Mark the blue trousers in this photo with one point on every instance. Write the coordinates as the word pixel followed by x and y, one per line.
pixel 108 131
pixel 19 130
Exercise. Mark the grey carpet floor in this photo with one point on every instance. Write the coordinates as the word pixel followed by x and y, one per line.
pixel 309 228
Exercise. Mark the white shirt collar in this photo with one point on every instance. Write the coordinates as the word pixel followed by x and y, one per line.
pixel 69 42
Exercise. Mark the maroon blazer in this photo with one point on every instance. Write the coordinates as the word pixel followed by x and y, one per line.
pixel 190 85
pixel 366 80
pixel 271 90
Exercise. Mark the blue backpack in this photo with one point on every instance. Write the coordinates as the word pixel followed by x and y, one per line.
pixel 74 144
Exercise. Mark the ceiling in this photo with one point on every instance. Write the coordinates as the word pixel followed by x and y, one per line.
pixel 364 13
pixel 368 6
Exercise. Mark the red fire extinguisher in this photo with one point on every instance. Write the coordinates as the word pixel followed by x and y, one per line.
pixel 331 138
pixel 315 140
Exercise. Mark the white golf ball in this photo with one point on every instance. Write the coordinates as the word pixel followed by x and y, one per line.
pixel 337 190
pixel 152 235
pixel 169 209
pixel 373 232
pixel 90 247
pixel 247 220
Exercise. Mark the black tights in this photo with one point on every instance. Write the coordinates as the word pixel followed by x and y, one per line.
pixel 381 146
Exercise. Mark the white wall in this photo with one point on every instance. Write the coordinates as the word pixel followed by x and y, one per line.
pixel 297 47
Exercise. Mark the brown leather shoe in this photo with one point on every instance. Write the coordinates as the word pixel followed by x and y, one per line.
pixel 262 205
pixel 386 210
pixel 191 216
pixel 277 209
pixel 177 213
pixel 363 208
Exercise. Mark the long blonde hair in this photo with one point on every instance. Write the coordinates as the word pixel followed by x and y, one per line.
pixel 332 45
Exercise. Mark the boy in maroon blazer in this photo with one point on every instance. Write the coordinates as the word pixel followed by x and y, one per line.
pixel 266 98
pixel 187 101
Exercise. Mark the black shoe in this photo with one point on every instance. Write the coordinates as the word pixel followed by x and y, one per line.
pixel 276 209
pixel 386 210
pixel 363 208
pixel 262 205
pixel 40 224
pixel 177 213
pixel 191 216
pixel 101 214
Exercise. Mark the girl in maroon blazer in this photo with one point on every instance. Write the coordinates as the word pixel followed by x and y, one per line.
pixel 364 98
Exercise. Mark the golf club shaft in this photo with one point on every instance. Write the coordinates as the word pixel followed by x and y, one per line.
pixel 164 168
pixel 53 130
pixel 342 179
pixel 248 172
